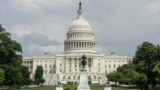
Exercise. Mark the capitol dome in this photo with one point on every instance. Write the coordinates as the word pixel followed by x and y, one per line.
pixel 80 24
pixel 80 37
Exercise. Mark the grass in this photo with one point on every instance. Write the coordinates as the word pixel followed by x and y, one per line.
pixel 40 88
pixel 124 88
pixel 71 87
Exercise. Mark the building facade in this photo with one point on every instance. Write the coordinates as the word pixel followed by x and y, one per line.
pixel 65 67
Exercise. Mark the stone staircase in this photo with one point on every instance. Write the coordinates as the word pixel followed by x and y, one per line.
pixel 50 79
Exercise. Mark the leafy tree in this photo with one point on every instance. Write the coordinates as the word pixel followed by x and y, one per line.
pixel 13 77
pixel 39 75
pixel 10 50
pixel 145 69
pixel 115 76
pixel 10 60
pixel 147 59
pixel 26 76
pixel 2 78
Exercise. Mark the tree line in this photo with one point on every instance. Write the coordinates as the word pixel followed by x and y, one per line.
pixel 144 71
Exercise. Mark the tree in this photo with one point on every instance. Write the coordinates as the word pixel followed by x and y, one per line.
pixel 115 76
pixel 13 77
pixel 10 59
pixel 123 75
pixel 39 75
pixel 26 76
pixel 10 50
pixel 147 59
pixel 2 77
pixel 145 69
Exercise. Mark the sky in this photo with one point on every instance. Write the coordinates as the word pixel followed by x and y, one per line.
pixel 119 25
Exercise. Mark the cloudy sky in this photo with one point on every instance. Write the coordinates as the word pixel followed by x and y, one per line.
pixel 119 25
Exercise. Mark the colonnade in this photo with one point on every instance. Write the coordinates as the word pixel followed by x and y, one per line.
pixel 80 35
pixel 80 46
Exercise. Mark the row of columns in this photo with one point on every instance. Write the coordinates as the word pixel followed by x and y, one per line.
pixel 80 46
pixel 79 35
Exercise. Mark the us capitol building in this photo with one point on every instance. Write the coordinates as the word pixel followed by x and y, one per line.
pixel 65 67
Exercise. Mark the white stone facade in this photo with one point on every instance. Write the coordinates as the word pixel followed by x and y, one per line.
pixel 65 67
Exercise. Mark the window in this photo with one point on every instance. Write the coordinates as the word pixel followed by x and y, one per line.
pixel 79 64
pixel 99 70
pixel 89 62
pixel 74 77
pixel 98 64
pixel 69 77
pixel 69 59
pixel 114 65
pixel 45 65
pixel 54 66
pixel 64 77
pixel 94 77
pixel 70 65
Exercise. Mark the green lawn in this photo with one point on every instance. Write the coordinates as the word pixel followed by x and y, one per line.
pixel 40 88
pixel 74 88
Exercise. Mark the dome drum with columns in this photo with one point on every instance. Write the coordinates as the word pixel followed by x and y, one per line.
pixel 80 37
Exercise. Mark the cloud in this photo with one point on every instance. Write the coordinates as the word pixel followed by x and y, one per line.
pixel 153 7
pixel 37 39
pixel 51 27
pixel 20 30
pixel 32 5
pixel 34 44
pixel 36 50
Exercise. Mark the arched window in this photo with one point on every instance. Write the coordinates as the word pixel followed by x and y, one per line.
pixel 64 77
pixel 89 77
pixel 69 77
pixel 94 77
pixel 74 77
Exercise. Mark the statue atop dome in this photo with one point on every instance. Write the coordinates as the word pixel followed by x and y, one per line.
pixel 80 4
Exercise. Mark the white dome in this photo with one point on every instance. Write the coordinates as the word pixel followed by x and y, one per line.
pixel 80 24
pixel 80 37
